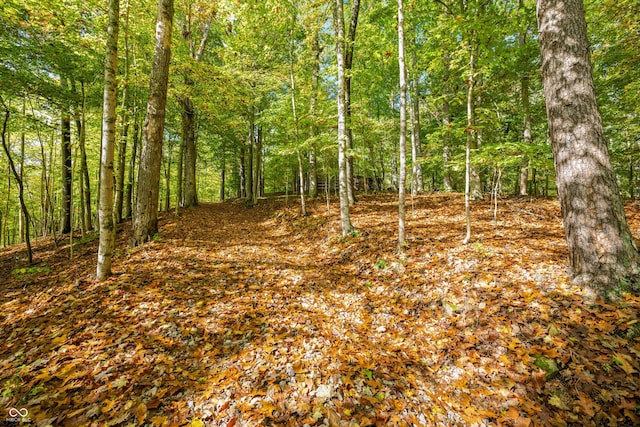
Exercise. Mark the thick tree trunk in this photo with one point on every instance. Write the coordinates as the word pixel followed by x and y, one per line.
pixel 145 223
pixel 602 253
pixel 347 227
pixel 403 130
pixel 105 210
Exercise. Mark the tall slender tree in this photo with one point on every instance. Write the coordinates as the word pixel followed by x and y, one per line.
pixel 65 158
pixel 190 196
pixel 105 209
pixel 349 48
pixel 145 221
pixel 526 107
pixel 343 178
pixel 125 121
pixel 402 173
pixel 18 177
pixel 602 253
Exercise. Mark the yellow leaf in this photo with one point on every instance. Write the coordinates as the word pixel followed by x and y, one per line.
pixel 140 412
pixel 197 423
pixel 624 362
pixel 159 420
pixel 108 405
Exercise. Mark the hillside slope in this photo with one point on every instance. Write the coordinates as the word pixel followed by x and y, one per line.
pixel 237 316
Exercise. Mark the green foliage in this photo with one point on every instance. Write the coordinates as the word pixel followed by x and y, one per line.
pixel 29 271
pixel 381 264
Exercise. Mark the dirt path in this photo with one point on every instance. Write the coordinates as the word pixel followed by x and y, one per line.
pixel 236 316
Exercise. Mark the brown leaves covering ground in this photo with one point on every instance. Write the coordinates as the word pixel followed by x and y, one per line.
pixel 237 316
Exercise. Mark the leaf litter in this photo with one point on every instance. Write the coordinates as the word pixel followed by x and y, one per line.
pixel 261 316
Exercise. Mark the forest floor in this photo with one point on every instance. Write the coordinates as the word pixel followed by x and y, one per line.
pixel 260 316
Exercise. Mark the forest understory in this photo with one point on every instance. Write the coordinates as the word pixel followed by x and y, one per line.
pixel 260 316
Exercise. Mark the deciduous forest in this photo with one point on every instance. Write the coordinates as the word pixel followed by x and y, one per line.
pixel 319 213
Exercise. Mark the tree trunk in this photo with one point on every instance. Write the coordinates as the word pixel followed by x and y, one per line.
pixel 84 170
pixel 128 191
pixel 66 166
pixel 250 161
pixel 105 211
pixel 21 218
pixel 167 179
pixel 223 175
pixel 403 130
pixel 471 144
pixel 526 110
pixel 122 149
pixel 473 134
pixel 315 82
pixel 417 184
pixel 242 193
pixel 190 196
pixel 347 227
pixel 294 112
pixel 257 167
pixel 189 135
pixel 447 180
pixel 602 253
pixel 348 65
pixel 145 223
pixel 17 175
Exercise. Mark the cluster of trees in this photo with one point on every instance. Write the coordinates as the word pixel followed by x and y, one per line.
pixel 107 119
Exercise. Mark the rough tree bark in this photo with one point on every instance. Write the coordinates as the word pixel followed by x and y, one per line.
pixel 145 221
pixel 105 210
pixel 602 253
